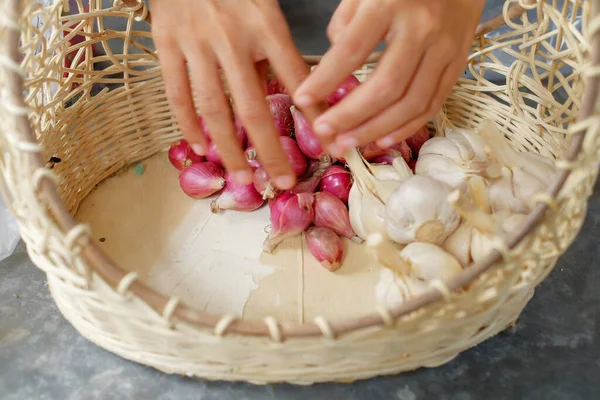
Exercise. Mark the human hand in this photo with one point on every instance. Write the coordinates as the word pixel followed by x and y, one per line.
pixel 428 43
pixel 239 37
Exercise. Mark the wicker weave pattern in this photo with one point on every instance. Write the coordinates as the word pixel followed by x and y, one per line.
pixel 98 135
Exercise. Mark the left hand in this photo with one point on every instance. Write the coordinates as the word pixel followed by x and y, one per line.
pixel 428 42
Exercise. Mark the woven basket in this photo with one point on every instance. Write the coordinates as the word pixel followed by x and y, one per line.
pixel 553 47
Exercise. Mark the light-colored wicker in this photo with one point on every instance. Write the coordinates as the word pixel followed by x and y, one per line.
pixel 98 135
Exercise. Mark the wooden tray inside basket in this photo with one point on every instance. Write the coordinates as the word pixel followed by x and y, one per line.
pixel 214 262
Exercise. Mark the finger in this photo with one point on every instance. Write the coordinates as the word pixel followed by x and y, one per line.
pixel 214 108
pixel 286 60
pixel 449 78
pixel 341 18
pixel 412 105
pixel 179 95
pixel 346 55
pixel 254 113
pixel 388 83
pixel 285 57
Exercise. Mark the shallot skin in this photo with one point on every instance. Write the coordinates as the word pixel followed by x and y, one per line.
pixel 416 141
pixel 263 184
pixel 326 246
pixel 181 155
pixel 295 156
pixel 237 197
pixel 201 180
pixel 349 84
pixel 305 136
pixel 331 212
pixel 280 104
pixel 275 87
pixel 337 180
pixel 291 214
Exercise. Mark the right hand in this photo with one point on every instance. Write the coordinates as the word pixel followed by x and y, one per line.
pixel 239 36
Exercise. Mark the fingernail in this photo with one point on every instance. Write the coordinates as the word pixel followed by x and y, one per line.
pixel 324 129
pixel 386 141
pixel 285 182
pixel 348 141
pixel 242 177
pixel 303 100
pixel 198 149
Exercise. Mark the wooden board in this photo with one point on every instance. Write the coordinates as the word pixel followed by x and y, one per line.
pixel 214 262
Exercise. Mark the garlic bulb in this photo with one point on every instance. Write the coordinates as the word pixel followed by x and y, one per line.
pixel 418 211
pixel 522 174
pixel 452 159
pixel 373 185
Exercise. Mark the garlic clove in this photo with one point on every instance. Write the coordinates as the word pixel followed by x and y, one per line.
pixel 508 221
pixel 402 168
pixel 471 139
pixel 442 146
pixel 459 243
pixel 373 214
pixel 355 210
pixel 418 211
pixel 448 170
pixel 429 262
pixel 385 172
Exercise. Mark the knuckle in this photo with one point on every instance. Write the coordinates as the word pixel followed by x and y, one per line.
pixel 210 108
pixel 252 113
pixel 176 95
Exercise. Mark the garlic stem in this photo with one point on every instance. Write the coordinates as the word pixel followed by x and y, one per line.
pixel 479 194
pixel 498 146
pixel 479 219
pixel 387 254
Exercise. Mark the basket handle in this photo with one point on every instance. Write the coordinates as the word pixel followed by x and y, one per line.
pixel 487 26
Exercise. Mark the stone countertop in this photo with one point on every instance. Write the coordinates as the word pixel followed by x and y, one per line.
pixel 552 353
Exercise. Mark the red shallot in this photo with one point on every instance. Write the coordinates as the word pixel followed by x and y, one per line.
pixel 331 212
pixel 416 141
pixel 326 246
pixel 201 180
pixel 237 197
pixel 291 214
pixel 347 86
pixel 181 155
pixel 295 156
pixel 262 184
pixel 372 150
pixel 252 158
pixel 337 180
pixel 306 138
pixel 280 110
pixel 275 87
pixel 290 147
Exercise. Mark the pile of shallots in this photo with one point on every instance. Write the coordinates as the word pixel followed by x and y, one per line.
pixel 317 205
pixel 469 188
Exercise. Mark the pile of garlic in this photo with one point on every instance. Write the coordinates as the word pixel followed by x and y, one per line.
pixel 469 188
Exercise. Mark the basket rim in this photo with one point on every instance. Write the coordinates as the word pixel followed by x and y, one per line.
pixel 163 305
